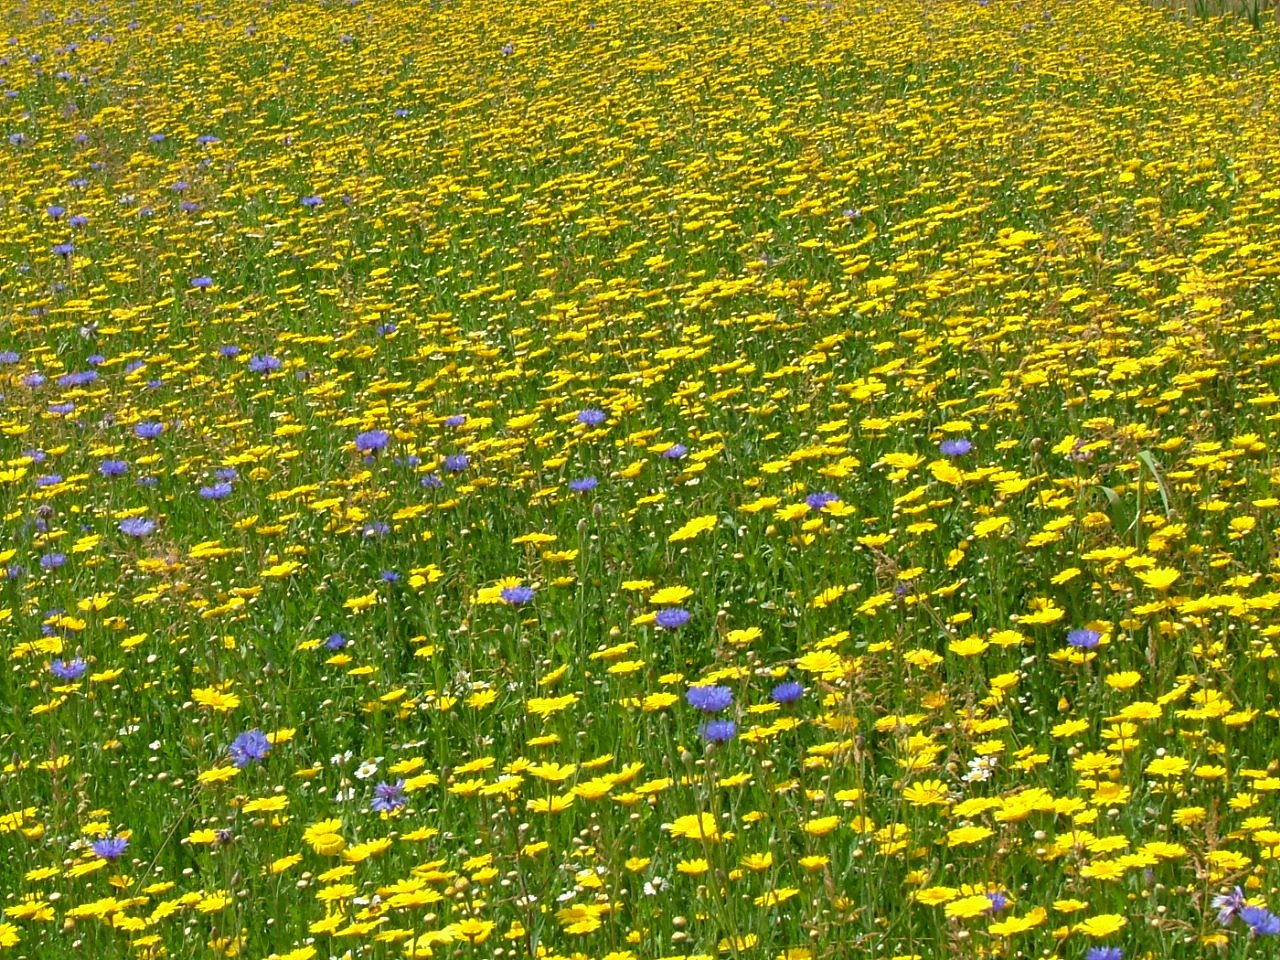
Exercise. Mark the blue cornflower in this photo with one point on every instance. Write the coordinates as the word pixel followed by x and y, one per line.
pixel 388 797
pixel 49 480
pixel 9 356
pixel 592 416
pixel 110 848
pixel 457 420
pixel 55 212
pixel 583 484
pixel 78 221
pixel 201 283
pixel 1262 922
pixel 999 900
pixel 709 699
pixel 52 561
pixel 69 669
pixel 671 618
pixel 113 468
pixel 516 596
pixel 312 202
pixel 249 746
pixel 789 691
pixel 817 501
pixel 228 350
pixel 955 448
pixel 1228 905
pixel 64 408
pixel 33 380
pixel 1104 953
pixel 64 249
pixel 335 641
pixel 718 731
pixel 148 430
pixel 371 441
pixel 376 528
pixel 264 363
pixel 389 576
pixel 216 491
pixel 456 462
pixel 136 526
pixel 675 451
pixel 226 473
pixel 1084 638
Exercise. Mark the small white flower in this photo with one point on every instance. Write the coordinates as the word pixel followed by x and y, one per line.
pixel 366 770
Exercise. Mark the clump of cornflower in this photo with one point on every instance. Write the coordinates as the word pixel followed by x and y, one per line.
pixel 1084 638
pixel 335 641
pixel 457 462
pixel 718 731
pixel 148 430
pixel 249 746
pixel 312 202
pixel 583 484
pixel 202 283
pixel 592 417
pixel 675 452
pixel 264 363
pixel 136 526
pixel 371 441
pixel 789 691
pixel 709 699
pixel 68 670
pixel 1104 953
pixel 457 420
pixel 957 447
pixel 671 618
pixel 999 901
pixel 516 596
pixel 216 491
pixel 52 561
pixel 388 797
pixel 110 848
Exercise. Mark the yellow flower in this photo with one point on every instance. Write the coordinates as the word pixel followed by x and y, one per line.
pixel 695 826
pixel 1103 925
pixel 216 699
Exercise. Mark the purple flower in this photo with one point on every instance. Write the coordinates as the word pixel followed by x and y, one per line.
pixel 335 641
pixel 457 420
pixel 1084 638
pixel 671 618
pixel 675 451
pixel 591 416
pixel 9 356
pixel 64 249
pixel 113 468
pixel 583 485
pixel 388 797
pixel 65 408
pixel 431 481
pixel 312 202
pixel 68 670
pixel 148 430
pixel 817 501
pixel 49 480
pixel 1228 905
pixel 709 699
pixel 371 441
pixel 955 448
pixel 33 380
pixel 264 363
pixel 789 691
pixel 1262 922
pixel 389 576
pixel 999 900
pixel 456 462
pixel 110 848
pixel 216 491
pixel 1104 953
pixel 202 283
pixel 136 526
pixel 55 212
pixel 249 746
pixel 718 731
pixel 228 350
pixel 52 561
pixel 508 49
pixel 516 596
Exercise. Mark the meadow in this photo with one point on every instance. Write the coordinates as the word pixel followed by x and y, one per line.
pixel 618 481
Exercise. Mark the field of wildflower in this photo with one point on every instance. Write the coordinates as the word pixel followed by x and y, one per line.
pixel 619 480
